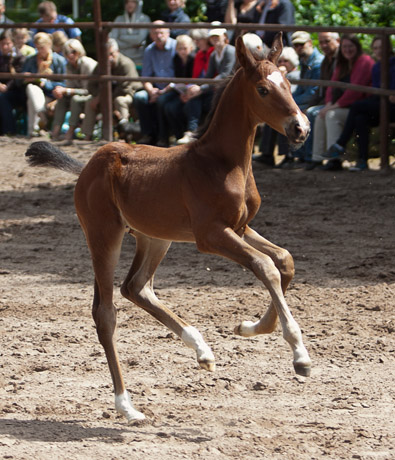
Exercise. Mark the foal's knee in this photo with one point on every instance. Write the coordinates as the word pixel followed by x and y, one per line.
pixel 286 266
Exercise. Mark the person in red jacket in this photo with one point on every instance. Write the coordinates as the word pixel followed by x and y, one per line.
pixel 353 66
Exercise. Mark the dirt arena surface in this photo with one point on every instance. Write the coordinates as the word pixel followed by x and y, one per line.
pixel 56 398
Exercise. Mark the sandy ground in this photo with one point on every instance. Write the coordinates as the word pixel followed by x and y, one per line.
pixel 56 397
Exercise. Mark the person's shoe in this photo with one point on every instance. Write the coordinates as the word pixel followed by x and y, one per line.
pixel 360 166
pixel 332 165
pixel 312 165
pixel 299 163
pixel 285 163
pixel 147 140
pixel 186 139
pixel 66 142
pixel 263 159
pixel 162 143
pixel 334 151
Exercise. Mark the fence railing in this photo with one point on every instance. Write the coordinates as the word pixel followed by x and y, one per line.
pixel 102 29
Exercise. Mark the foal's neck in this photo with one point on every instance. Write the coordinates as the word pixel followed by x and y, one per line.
pixel 232 129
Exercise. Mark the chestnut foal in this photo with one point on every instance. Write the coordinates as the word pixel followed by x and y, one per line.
pixel 204 193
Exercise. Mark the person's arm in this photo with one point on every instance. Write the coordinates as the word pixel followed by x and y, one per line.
pixel 231 13
pixel 361 74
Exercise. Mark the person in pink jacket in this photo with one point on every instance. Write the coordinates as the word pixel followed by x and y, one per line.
pixel 353 66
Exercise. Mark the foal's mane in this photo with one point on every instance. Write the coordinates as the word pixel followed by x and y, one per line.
pixel 218 91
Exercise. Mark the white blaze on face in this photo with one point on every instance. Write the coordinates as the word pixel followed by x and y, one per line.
pixel 276 77
pixel 302 122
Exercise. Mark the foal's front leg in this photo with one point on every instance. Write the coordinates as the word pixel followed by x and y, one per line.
pixel 284 263
pixel 228 244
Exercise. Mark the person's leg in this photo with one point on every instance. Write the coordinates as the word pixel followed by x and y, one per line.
pixel 35 105
pixel 319 139
pixel 147 115
pixel 7 118
pixel 267 144
pixel 163 124
pixel 122 105
pixel 174 112
pixel 61 107
pixel 77 105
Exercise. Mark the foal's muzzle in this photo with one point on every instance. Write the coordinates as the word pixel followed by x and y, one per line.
pixel 297 130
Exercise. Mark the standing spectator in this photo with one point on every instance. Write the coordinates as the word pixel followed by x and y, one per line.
pixel 242 12
pixel 353 66
pixel 20 37
pixel 39 91
pixel 276 12
pixel 157 62
pixel 364 114
pixel 132 41
pixel 3 17
pixel 287 63
pixel 215 10
pixel 74 95
pixel 329 44
pixel 48 13
pixel 122 91
pixel 11 95
pixel 198 98
pixel 175 13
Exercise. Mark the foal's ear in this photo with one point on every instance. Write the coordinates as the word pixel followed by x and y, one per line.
pixel 276 49
pixel 244 55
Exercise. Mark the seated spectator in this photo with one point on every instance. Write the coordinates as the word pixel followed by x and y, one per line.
pixel 215 10
pixel 48 13
pixel 310 64
pixel 183 67
pixel 122 91
pixel 175 112
pixel 364 114
pixel 287 63
pixel 175 13
pixel 276 12
pixel 198 98
pixel 74 94
pixel 11 95
pixel 329 44
pixel 352 66
pixel 39 91
pixel 132 41
pixel 20 37
pixel 242 12
pixel 59 38
pixel 3 17
pixel 157 62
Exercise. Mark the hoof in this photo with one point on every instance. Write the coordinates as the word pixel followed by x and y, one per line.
pixel 207 365
pixel 302 370
pixel 245 329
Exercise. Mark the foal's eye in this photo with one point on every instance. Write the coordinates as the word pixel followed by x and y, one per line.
pixel 263 91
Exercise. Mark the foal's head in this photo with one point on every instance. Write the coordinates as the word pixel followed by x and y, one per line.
pixel 269 93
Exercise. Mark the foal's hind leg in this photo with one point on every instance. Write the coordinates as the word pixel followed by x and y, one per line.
pixel 284 263
pixel 104 241
pixel 138 287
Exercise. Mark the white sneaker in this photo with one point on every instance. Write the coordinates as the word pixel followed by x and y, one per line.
pixel 186 139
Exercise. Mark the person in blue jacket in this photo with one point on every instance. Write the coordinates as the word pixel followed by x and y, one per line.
pixel 48 13
pixel 39 90
pixel 175 13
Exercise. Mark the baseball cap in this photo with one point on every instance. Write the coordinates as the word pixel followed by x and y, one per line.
pixel 219 31
pixel 300 37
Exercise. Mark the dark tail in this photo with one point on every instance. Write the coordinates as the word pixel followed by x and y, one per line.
pixel 46 154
